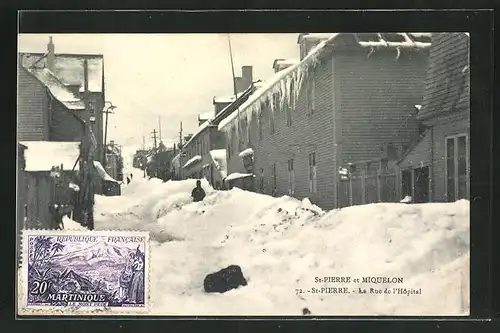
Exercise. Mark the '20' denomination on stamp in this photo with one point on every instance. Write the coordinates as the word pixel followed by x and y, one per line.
pixel 75 272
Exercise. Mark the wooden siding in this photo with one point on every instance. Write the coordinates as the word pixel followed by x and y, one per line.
pixel 64 126
pixel 378 97
pixel 449 54
pixel 42 191
pixel 307 134
pixel 32 118
pixel 458 124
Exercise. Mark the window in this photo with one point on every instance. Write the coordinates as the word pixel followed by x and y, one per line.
pixel 260 125
pixel 261 180
pixel 456 168
pixel 288 111
pixel 291 178
pixel 92 107
pixel 271 121
pixel 311 95
pixel 273 170
pixel 229 150
pixel 312 172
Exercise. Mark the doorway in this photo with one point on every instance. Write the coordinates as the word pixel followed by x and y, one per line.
pixel 421 185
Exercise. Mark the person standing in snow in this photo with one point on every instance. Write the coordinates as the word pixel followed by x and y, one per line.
pixel 198 194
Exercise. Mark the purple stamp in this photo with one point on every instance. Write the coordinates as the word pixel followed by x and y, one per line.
pixel 71 272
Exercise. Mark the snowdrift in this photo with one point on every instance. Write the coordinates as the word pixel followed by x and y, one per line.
pixel 283 244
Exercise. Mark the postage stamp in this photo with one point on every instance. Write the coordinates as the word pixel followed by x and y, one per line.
pixel 67 272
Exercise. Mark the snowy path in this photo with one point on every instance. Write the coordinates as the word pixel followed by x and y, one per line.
pixel 281 247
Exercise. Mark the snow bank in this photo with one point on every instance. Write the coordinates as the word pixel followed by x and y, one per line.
pixel 283 244
pixel 69 224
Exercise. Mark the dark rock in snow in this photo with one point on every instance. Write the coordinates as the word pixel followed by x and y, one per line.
pixel 306 311
pixel 224 280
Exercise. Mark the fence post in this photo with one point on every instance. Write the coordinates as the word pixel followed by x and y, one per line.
pixel 364 174
pixel 379 182
pixel 350 184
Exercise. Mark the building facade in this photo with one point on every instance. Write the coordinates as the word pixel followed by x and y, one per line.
pixel 437 167
pixel 202 150
pixel 356 101
pixel 50 100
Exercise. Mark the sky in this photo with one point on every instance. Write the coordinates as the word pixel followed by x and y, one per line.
pixel 171 76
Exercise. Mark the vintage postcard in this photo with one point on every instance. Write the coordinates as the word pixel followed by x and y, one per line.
pixel 75 272
pixel 304 174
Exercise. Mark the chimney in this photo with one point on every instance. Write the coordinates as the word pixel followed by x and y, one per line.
pixel 50 54
pixel 240 84
pixel 247 74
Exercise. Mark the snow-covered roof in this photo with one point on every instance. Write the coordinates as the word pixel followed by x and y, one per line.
pixel 194 159
pixel 102 172
pixel 276 81
pixel 198 131
pixel 288 61
pixel 69 68
pixel 237 175
pixel 226 99
pixel 246 152
pixel 206 115
pixel 43 155
pixel 58 89
pixel 399 40
pixel 281 83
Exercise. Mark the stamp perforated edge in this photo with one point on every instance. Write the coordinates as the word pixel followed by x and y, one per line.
pixel 22 283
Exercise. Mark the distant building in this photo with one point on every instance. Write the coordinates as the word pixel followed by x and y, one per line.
pixel 348 103
pixel 203 149
pixel 437 167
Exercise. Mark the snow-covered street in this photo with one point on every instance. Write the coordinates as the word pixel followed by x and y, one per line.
pixel 283 244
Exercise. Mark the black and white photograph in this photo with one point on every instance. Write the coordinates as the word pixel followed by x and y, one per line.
pixel 277 174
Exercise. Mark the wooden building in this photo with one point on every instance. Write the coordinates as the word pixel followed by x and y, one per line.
pixel 50 168
pixel 436 168
pixel 50 98
pixel 348 104
pixel 207 141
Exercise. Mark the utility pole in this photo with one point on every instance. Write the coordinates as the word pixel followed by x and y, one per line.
pixel 154 137
pixel 107 112
pixel 235 91
pixel 84 205
pixel 159 127
pixel 180 138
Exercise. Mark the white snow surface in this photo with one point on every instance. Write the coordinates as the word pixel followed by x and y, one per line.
pixel 43 155
pixel 69 224
pixel 282 244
